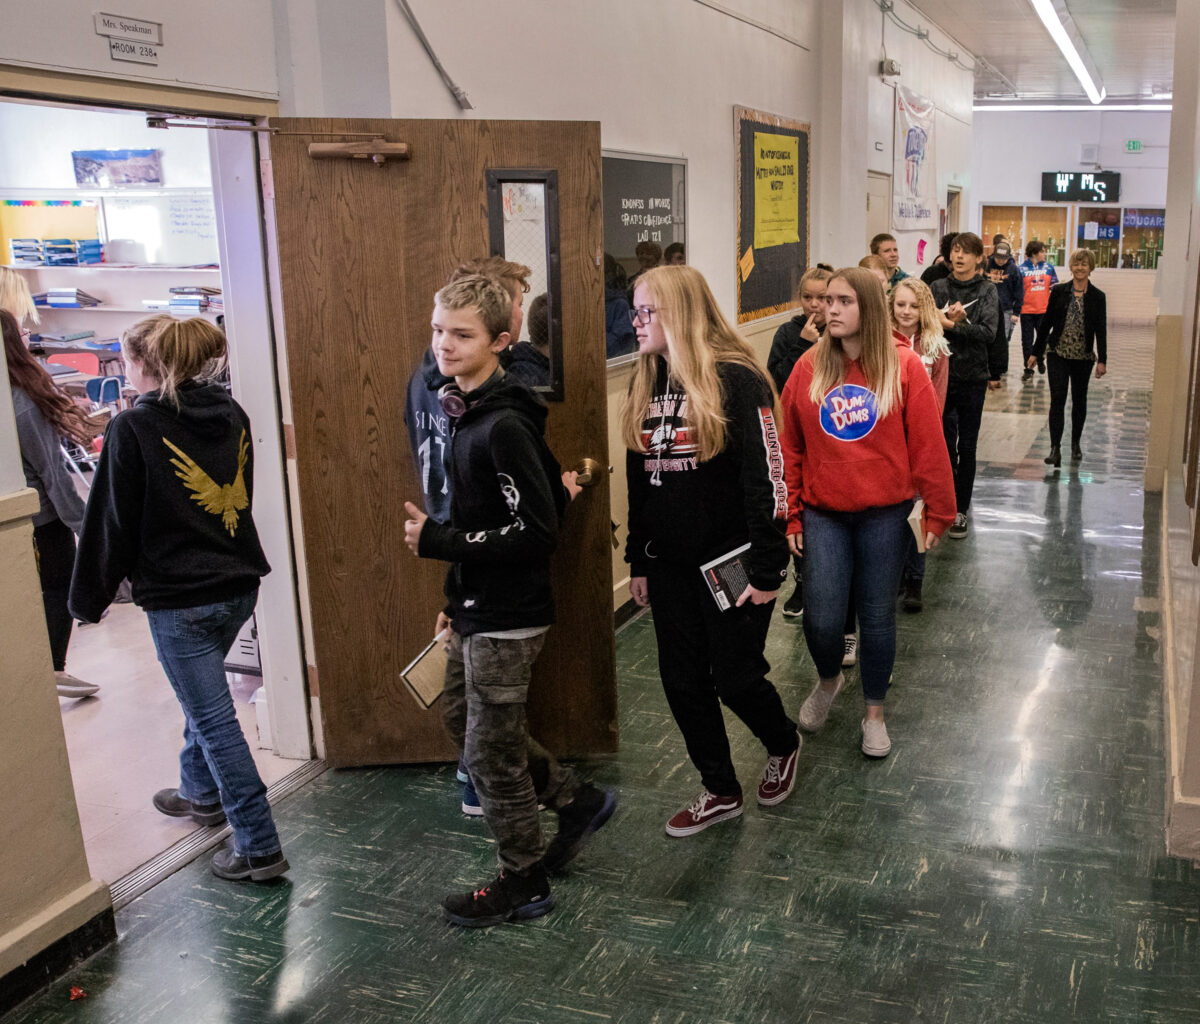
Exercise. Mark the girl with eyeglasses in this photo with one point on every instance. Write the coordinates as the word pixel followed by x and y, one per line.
pixel 861 436
pixel 705 477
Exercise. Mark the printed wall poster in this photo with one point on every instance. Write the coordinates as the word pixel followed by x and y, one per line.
pixel 776 190
pixel 115 168
pixel 914 182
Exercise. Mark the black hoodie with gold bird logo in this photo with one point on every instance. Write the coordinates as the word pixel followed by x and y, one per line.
pixel 169 507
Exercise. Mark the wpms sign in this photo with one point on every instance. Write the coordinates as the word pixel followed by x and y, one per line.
pixel 1076 187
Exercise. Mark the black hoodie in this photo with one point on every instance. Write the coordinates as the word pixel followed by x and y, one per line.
pixel 978 350
pixel 170 507
pixel 687 512
pixel 506 501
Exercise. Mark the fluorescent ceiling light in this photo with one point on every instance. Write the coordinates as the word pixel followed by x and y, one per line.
pixel 1056 18
pixel 1042 107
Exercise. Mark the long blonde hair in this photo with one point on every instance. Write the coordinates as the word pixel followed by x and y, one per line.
pixel 175 351
pixel 879 363
pixel 15 297
pixel 698 338
pixel 929 326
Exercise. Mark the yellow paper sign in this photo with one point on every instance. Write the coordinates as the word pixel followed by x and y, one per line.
pixel 776 190
pixel 746 263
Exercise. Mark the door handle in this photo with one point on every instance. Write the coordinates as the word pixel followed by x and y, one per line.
pixel 589 471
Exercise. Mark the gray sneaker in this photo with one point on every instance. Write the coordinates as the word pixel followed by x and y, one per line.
pixel 815 709
pixel 71 688
pixel 958 530
pixel 875 741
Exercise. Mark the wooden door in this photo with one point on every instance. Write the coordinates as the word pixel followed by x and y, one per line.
pixel 362 249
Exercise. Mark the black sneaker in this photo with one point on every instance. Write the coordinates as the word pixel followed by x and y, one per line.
pixel 511 897
pixel 1027 375
pixel 793 607
pixel 577 822
pixel 228 863
pixel 911 600
pixel 170 803
pixel 959 528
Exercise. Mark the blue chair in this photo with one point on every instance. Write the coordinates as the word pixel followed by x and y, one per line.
pixel 105 390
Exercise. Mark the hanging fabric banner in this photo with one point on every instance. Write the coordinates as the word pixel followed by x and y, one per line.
pixel 914 181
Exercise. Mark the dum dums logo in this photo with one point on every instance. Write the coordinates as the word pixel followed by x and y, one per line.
pixel 849 412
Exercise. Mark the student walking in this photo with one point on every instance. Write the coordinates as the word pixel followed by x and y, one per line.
pixel 917 326
pixel 1074 330
pixel 860 438
pixel 45 417
pixel 705 479
pixel 170 508
pixel 506 500
pixel 1038 277
pixel 791 341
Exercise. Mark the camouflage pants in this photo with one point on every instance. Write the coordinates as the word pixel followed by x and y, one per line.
pixel 483 708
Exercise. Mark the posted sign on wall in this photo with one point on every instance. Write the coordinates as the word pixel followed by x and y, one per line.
pixel 1077 187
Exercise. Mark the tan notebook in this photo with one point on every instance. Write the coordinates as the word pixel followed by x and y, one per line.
pixel 918 520
pixel 425 675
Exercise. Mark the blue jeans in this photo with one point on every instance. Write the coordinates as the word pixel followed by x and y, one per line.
pixel 855 555
pixel 215 764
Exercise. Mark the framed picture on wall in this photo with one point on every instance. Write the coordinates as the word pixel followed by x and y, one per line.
pixel 773 211
pixel 645 225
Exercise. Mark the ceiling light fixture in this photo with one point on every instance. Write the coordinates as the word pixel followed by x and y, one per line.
pixel 1031 108
pixel 1061 26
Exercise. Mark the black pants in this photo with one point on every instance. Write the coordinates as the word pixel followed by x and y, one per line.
pixel 960 425
pixel 54 547
pixel 707 657
pixel 1064 373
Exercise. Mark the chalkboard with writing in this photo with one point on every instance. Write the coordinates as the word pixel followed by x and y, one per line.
pixel 773 211
pixel 644 201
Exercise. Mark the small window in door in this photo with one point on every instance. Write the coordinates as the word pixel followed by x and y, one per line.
pixel 523 227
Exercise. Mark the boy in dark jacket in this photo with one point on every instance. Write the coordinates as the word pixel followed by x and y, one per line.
pixel 970 311
pixel 1002 270
pixel 506 502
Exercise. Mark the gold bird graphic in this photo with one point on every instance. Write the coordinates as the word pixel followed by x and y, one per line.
pixel 224 500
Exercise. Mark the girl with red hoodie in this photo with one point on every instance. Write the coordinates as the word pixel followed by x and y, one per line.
pixel 861 437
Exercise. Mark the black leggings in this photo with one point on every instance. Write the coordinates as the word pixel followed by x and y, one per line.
pixel 54 546
pixel 1064 373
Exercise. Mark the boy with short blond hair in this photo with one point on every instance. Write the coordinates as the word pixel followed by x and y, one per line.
pixel 506 503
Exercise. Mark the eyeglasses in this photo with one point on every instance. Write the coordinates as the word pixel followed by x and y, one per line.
pixel 642 314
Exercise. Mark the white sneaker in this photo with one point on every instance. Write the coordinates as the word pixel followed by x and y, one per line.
pixel 850 657
pixel 68 686
pixel 815 709
pixel 875 741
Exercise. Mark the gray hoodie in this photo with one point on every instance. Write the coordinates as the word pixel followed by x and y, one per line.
pixel 45 466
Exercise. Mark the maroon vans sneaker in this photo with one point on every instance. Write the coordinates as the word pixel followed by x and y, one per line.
pixel 707 809
pixel 779 777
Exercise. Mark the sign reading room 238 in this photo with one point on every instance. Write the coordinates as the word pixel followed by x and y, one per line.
pixel 1077 187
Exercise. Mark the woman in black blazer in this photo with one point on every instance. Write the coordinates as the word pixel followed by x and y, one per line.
pixel 1075 330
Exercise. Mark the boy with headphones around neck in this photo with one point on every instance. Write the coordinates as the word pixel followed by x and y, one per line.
pixel 506 503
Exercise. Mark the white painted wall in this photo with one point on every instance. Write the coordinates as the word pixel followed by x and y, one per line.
pixel 1011 150
pixel 45 161
pixel 219 45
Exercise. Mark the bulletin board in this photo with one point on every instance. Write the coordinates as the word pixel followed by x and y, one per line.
pixel 773 211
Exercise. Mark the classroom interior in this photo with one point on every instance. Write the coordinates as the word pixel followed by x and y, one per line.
pixel 1081 576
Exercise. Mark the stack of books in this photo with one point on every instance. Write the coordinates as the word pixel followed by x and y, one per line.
pixel 26 252
pixel 69 298
pixel 194 299
pixel 68 252
pixel 63 339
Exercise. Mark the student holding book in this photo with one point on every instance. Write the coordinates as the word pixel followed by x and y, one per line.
pixel 706 480
pixel 860 437
pixel 917 326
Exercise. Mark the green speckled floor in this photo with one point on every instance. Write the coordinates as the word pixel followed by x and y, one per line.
pixel 1005 864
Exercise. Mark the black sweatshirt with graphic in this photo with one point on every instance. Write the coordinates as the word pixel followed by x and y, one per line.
pixel 170 506
pixel 687 512
pixel 506 502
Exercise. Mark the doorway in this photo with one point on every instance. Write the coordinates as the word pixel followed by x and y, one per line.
pixel 171 231
pixel 879 205
pixel 953 209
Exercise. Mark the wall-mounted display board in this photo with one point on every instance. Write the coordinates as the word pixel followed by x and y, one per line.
pixel 773 211
pixel 1081 186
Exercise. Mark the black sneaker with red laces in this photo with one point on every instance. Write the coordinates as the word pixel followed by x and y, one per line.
pixel 510 897
pixel 577 822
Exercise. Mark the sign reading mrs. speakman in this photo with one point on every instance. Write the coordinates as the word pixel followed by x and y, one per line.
pixel 914 181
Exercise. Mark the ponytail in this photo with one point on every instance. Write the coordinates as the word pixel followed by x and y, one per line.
pixel 175 351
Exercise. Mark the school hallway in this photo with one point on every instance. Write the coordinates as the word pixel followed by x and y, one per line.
pixel 1006 863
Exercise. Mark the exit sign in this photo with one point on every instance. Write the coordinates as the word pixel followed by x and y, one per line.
pixel 1133 145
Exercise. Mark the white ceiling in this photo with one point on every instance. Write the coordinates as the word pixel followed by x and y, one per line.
pixel 1132 43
